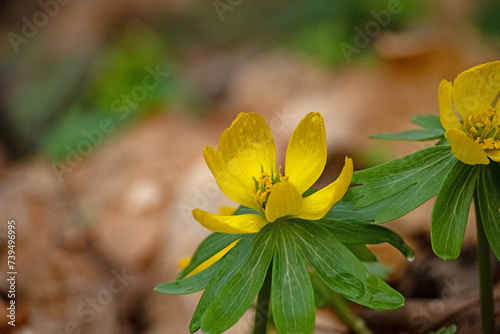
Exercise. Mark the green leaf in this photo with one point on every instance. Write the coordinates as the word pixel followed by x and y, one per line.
pixel 451 210
pixel 326 297
pixel 347 211
pixel 364 233
pixel 446 330
pixel 309 192
pixel 243 210
pixel 340 269
pixel 321 291
pixel 379 269
pixel 362 252
pixel 230 264
pixel 432 129
pixel 408 182
pixel 488 193
pixel 213 244
pixel 191 284
pixel 292 294
pixel 241 287
pixel 428 121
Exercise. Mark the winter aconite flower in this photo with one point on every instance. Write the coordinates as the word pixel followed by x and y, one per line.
pixel 475 137
pixel 245 169
pixel 281 233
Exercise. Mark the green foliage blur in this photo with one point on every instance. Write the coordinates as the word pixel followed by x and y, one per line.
pixel 487 18
pixel 121 88
pixel 62 99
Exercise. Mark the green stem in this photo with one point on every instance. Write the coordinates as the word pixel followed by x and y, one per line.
pixel 339 306
pixel 262 309
pixel 485 275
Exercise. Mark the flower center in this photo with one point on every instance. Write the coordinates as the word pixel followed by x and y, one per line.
pixel 264 185
pixel 483 127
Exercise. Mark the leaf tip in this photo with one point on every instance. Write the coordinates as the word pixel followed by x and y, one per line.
pixel 446 256
pixel 193 327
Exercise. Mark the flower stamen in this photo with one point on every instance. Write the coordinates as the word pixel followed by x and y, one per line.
pixel 484 128
pixel 264 185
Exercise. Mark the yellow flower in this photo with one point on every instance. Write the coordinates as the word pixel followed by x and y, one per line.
pixel 244 167
pixel 476 136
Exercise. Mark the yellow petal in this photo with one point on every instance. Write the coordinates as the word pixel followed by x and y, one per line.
pixel 306 152
pixel 226 210
pixel 284 200
pixel 475 89
pixel 493 155
pixel 317 205
pixel 465 149
pixel 233 186
pixel 247 146
pixel 447 114
pixel 249 223
pixel 184 262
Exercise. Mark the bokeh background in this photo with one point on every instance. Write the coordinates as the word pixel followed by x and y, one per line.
pixel 105 107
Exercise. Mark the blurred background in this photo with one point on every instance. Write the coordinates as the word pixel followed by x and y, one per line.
pixel 105 108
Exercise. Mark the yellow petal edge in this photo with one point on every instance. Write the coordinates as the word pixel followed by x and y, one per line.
pixel 247 146
pixel 284 200
pixel 447 114
pixel 465 148
pixel 241 224
pixel 475 89
pixel 186 260
pixel 232 185
pixel 317 205
pixel 306 152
